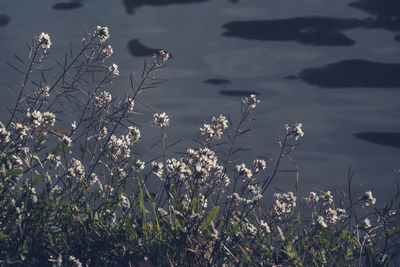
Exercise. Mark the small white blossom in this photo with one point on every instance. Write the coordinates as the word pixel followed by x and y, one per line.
pixel 113 69
pixel 331 215
pixel 242 170
pixel 133 134
pixel 107 51
pixel 251 102
pixel 75 261
pixel 43 91
pixel 103 100
pixel 124 201
pixel 164 55
pixel 370 200
pixel 327 197
pixel 65 141
pixel 265 226
pixel 44 40
pixel 20 129
pixel 102 33
pixel 259 165
pixel 73 125
pixel 312 197
pixel 321 222
pixel 160 120
pixel 367 223
pixel 130 104
pixel 139 165
pixel 157 168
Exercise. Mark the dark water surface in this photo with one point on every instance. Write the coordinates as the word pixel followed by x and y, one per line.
pixel 343 58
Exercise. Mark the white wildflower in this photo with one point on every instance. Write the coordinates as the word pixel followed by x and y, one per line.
pixel 157 168
pixel 331 215
pixel 242 170
pixel 75 261
pixel 367 223
pixel 265 226
pixel 327 197
pixel 370 200
pixel 103 100
pixel 113 69
pixel 20 129
pixel 107 51
pixel 312 197
pixel 43 91
pixel 102 33
pixel 160 120
pixel 133 134
pixel 48 118
pixel 138 165
pixel 321 222
pixel 284 203
pixel 65 141
pixel 73 125
pixel 164 55
pixel 259 165
pixel 298 132
pixel 44 40
pixel 124 201
pixel 130 104
pixel 251 102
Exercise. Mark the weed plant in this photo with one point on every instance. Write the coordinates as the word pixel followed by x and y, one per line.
pixel 73 191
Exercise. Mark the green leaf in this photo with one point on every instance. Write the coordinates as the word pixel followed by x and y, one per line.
pixel 210 218
pixel 4 236
pixel 15 172
pixel 36 178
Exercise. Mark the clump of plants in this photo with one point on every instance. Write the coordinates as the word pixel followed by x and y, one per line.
pixel 81 196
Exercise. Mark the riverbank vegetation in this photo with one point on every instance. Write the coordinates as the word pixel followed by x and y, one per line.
pixel 73 192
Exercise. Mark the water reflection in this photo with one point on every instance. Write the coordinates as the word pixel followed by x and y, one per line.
pixel 308 30
pixel 4 20
pixel 354 73
pixel 73 4
pixel 238 92
pixel 131 5
pixel 137 49
pixel 381 138
pixel 217 82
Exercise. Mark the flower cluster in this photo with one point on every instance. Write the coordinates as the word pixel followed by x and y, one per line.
pixel 43 91
pixel 113 69
pixel 251 102
pixel 39 119
pixel 76 169
pixel 164 55
pixel 160 120
pixel 157 168
pixel 107 51
pixel 295 131
pixel 102 33
pixel 133 134
pixel 44 40
pixel 370 200
pixel 259 165
pixel 20 129
pixel 242 170
pixel 119 147
pixel 284 203
pixel 215 129
pixel 103 100
pixel 130 104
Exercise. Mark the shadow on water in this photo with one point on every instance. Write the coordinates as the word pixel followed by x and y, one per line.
pixel 354 73
pixel 131 5
pixel 217 82
pixel 137 49
pixel 4 20
pixel 73 4
pixel 238 92
pixel 381 138
pixel 381 8
pixel 308 30
pixel 319 31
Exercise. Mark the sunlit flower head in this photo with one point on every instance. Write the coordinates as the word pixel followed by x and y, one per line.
pixel 160 120
pixel 102 33
pixel 44 40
